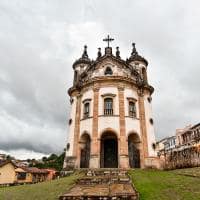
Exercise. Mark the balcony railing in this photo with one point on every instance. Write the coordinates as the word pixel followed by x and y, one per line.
pixel 108 111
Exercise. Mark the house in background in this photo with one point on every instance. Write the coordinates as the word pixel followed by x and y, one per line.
pixel 52 173
pixel 30 175
pixel 166 143
pixel 2 156
pixel 11 173
pixel 188 136
pixel 170 143
pixel 7 172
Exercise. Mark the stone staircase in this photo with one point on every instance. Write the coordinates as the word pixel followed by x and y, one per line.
pixel 102 184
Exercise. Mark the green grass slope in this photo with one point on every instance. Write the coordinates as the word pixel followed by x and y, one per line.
pixel 166 185
pixel 42 191
pixel 181 184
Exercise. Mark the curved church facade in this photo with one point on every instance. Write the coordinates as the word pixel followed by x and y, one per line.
pixel 111 123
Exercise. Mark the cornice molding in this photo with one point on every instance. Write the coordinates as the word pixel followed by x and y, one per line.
pixel 86 100
pixel 108 95
pixel 131 99
pixel 97 82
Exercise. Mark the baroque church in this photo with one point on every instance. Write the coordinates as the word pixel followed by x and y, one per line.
pixel 111 123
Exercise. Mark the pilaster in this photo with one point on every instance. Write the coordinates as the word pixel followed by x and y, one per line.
pixel 95 143
pixel 144 144
pixel 123 143
pixel 77 131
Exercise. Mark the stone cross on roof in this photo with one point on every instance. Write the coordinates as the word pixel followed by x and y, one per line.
pixel 108 40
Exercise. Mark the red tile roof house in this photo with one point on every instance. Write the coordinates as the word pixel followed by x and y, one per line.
pixel 30 175
pixel 52 174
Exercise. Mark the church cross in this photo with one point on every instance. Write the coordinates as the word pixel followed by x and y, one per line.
pixel 108 40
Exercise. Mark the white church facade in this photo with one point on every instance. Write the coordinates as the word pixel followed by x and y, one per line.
pixel 111 122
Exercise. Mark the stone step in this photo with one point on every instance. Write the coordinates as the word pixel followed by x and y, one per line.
pixel 104 185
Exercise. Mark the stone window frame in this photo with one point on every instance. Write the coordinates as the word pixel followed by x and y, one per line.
pixel 86 114
pixel 132 100
pixel 111 96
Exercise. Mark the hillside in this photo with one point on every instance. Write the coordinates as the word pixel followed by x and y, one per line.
pixel 151 184
pixel 41 191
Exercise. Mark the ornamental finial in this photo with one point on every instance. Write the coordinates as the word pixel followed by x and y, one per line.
pixel 134 51
pixel 117 52
pixel 85 55
pixel 99 53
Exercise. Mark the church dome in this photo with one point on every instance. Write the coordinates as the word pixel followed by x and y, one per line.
pixel 136 57
pixel 84 58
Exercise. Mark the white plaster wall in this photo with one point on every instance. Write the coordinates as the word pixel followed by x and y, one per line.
pixel 70 132
pixel 86 124
pixel 132 126
pixel 149 126
pixel 106 90
pixel 108 122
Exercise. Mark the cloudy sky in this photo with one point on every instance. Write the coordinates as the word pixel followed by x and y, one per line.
pixel 39 41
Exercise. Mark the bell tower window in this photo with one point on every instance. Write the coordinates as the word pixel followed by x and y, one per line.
pixel 86 110
pixel 108 71
pixel 132 109
pixel 108 106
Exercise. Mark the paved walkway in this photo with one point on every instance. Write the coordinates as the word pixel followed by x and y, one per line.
pixel 103 184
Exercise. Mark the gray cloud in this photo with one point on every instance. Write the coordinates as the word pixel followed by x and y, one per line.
pixel 39 40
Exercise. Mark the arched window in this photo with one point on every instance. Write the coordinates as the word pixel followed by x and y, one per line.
pixel 144 74
pixel 132 109
pixel 108 71
pixel 108 106
pixel 86 110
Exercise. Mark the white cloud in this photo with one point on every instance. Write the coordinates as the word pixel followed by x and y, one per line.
pixel 39 41
pixel 23 154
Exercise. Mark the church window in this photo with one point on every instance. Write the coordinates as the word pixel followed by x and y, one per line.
pixel 71 100
pixel 86 109
pixel 108 106
pixel 144 74
pixel 70 121
pixel 108 71
pixel 68 146
pixel 132 109
pixel 151 120
pixel 149 99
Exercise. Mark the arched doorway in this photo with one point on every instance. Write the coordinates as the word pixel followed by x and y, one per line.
pixel 85 150
pixel 134 150
pixel 109 150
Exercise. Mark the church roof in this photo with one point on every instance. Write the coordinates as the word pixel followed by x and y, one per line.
pixel 84 58
pixel 135 56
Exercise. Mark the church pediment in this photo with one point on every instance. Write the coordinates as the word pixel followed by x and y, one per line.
pixel 107 65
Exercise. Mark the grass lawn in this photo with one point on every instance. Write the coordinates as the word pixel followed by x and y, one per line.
pixel 167 185
pixel 41 191
pixel 151 184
